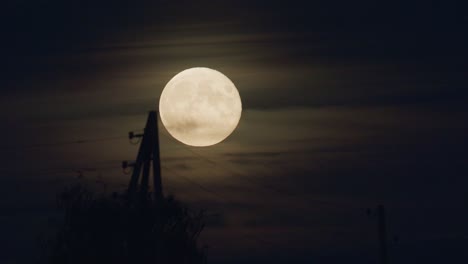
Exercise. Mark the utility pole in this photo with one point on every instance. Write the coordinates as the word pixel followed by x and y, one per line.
pixel 148 153
pixel 382 234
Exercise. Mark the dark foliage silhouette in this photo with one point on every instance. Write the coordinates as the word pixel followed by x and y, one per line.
pixel 102 229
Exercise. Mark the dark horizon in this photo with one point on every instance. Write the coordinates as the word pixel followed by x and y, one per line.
pixel 346 105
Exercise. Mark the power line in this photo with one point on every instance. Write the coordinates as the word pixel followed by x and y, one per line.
pixel 197 184
pixel 60 170
pixel 207 190
pixel 269 187
pixel 172 190
pixel 62 143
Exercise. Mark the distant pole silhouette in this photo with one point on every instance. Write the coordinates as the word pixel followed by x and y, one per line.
pixel 148 153
pixel 382 234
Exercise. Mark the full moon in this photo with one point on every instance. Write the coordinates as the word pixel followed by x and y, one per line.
pixel 200 107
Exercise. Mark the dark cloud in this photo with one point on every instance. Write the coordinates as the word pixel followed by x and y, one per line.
pixel 346 105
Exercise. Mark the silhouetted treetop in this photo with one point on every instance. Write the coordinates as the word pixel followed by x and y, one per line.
pixel 102 229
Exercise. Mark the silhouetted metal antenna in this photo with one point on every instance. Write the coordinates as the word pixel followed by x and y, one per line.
pixel 382 235
pixel 382 232
pixel 148 153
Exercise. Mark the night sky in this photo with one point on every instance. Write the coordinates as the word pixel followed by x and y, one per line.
pixel 346 105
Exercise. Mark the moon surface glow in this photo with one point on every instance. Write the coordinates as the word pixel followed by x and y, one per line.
pixel 200 107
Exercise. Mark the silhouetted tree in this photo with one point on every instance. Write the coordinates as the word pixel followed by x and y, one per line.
pixel 102 229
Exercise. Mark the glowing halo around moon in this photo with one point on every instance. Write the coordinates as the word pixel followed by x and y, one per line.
pixel 200 107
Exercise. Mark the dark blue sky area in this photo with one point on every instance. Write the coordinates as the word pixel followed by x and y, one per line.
pixel 346 105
